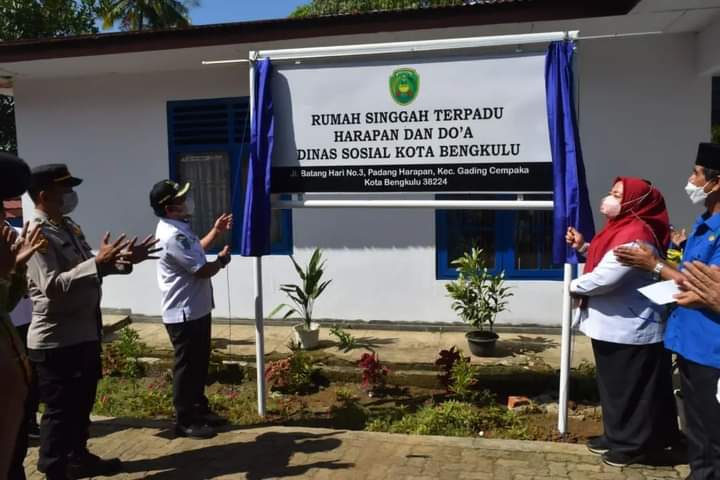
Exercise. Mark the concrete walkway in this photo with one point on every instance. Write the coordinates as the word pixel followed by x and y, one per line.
pixel 394 346
pixel 150 450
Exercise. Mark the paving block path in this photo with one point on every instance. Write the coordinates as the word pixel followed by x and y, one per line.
pixel 150 450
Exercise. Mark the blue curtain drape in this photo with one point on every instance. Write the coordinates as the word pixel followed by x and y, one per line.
pixel 570 193
pixel 256 212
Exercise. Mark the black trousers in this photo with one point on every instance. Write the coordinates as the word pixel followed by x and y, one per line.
pixel 17 471
pixel 191 343
pixel 67 380
pixel 636 394
pixel 702 413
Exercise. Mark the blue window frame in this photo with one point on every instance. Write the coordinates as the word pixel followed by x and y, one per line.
pixel 518 242
pixel 208 143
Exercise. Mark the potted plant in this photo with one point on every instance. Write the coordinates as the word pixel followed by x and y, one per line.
pixel 478 297
pixel 303 297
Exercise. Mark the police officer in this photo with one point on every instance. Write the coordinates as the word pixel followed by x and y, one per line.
pixel 64 281
pixel 694 333
pixel 187 301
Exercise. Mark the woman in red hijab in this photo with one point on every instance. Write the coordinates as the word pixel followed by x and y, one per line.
pixel 633 367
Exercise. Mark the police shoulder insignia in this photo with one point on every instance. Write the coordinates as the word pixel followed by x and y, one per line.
pixel 74 227
pixel 184 241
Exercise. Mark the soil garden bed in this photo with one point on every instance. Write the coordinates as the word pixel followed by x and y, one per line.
pixel 330 393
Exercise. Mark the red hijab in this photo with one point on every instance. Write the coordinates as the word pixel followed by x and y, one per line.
pixel 643 217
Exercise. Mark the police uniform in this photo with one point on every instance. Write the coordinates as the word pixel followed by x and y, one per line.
pixel 694 334
pixel 187 303
pixel 64 283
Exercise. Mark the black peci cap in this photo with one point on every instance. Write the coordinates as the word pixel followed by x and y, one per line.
pixel 165 191
pixel 45 176
pixel 14 176
pixel 708 156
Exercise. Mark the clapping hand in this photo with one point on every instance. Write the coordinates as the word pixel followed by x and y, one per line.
pixel 223 223
pixel 135 253
pixel 111 253
pixel 574 238
pixel 224 256
pixel 701 286
pixel 27 243
pixel 678 236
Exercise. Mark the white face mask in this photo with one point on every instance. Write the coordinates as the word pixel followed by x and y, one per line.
pixel 697 194
pixel 610 207
pixel 70 203
pixel 189 205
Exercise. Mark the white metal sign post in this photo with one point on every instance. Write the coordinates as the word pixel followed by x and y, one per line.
pixel 300 148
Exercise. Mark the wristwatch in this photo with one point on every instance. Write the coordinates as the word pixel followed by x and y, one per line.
pixel 658 268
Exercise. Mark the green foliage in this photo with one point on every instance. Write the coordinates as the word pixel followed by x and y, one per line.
pixel 239 405
pixel 716 133
pixel 479 296
pixel 8 137
pixel 119 397
pixel 304 296
pixel 30 19
pixel 463 379
pixel 120 358
pixel 344 395
pixel 455 419
pixel 317 8
pixel 294 374
pixel 346 341
pixel 146 14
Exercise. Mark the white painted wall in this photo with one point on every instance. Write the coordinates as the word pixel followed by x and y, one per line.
pixel 643 110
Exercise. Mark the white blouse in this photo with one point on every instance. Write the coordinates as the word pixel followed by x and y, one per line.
pixel 616 312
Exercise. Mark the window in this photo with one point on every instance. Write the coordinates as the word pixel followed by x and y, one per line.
pixel 518 242
pixel 209 145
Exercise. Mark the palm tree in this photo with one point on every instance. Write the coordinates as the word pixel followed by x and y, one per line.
pixel 144 14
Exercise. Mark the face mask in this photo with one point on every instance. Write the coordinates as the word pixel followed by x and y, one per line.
pixel 610 207
pixel 189 206
pixel 697 194
pixel 70 203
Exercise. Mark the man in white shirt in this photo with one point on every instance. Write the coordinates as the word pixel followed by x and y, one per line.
pixel 187 301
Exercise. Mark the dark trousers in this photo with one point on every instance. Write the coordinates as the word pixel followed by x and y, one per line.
pixel 638 405
pixel 33 400
pixel 17 471
pixel 191 343
pixel 67 380
pixel 702 414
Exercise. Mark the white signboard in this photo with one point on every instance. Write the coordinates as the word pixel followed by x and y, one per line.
pixel 442 124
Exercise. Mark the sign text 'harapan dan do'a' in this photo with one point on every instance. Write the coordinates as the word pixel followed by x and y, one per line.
pixel 444 124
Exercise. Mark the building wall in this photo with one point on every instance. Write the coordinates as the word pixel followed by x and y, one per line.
pixel 642 111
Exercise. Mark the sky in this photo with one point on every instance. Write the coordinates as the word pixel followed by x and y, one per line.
pixel 224 11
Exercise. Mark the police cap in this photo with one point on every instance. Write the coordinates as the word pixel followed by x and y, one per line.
pixel 165 191
pixel 45 176
pixel 14 176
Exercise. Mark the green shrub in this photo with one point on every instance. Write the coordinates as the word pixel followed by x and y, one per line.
pixel 455 419
pixel 119 397
pixel 294 374
pixel 121 357
pixel 346 341
pixel 463 379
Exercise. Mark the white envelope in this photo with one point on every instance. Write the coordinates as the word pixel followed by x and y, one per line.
pixel 661 293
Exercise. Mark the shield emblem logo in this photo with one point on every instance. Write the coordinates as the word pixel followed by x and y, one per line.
pixel 404 85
